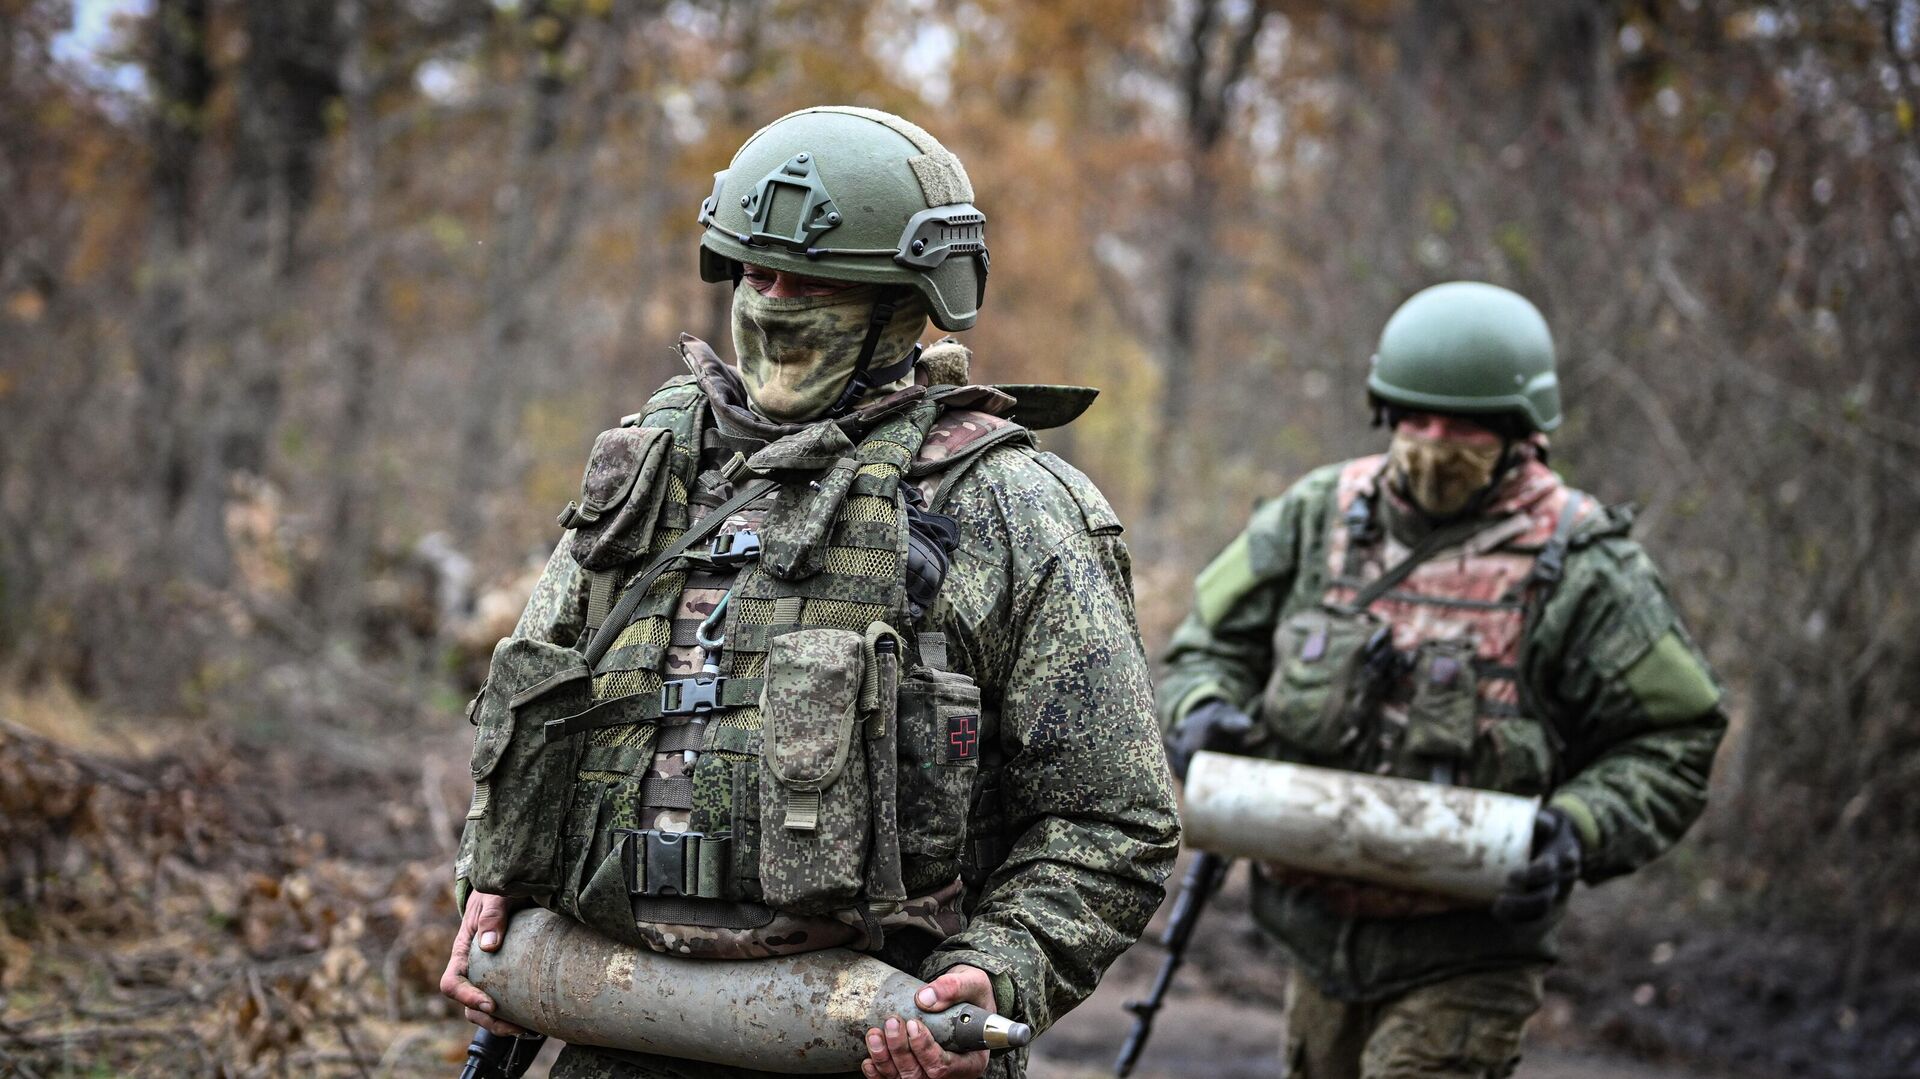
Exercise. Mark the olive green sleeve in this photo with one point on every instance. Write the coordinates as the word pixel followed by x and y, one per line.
pixel 1225 647
pixel 1635 702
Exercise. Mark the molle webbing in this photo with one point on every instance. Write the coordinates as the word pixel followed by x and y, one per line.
pixel 846 533
pixel 861 579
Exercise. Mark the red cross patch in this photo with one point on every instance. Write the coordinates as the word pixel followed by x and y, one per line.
pixel 963 737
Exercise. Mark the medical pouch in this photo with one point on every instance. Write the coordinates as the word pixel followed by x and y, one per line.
pixel 620 496
pixel 523 783
pixel 1319 657
pixel 814 801
pixel 939 730
pixel 1442 712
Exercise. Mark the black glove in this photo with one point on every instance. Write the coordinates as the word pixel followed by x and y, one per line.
pixel 1212 724
pixel 1549 877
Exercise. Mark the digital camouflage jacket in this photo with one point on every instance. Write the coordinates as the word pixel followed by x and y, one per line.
pixel 1037 607
pixel 1602 703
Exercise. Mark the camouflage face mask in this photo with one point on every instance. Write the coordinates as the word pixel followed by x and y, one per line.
pixel 1442 475
pixel 796 353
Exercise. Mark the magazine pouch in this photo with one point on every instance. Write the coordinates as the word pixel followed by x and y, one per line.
pixel 814 799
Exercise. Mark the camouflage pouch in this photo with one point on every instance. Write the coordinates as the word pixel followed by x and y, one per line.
pixel 1441 715
pixel 814 801
pixel 1318 657
pixel 880 707
pixel 522 783
pixel 1512 754
pixel 620 496
pixel 939 758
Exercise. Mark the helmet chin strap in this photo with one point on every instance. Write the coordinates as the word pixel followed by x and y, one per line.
pixel 864 379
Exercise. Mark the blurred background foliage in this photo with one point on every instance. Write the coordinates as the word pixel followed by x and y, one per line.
pixel 309 311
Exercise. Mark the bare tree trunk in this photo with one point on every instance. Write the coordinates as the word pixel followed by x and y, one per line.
pixel 351 501
pixel 181 82
pixel 737 99
pixel 287 80
pixel 519 259
pixel 1207 89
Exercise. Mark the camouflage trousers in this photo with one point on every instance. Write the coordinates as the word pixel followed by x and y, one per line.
pixel 1468 1027
pixel 583 1062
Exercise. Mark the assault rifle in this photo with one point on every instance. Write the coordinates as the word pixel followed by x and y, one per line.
pixel 1203 879
pixel 497 1056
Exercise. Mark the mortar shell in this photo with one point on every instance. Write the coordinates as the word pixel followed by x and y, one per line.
pixel 800 1014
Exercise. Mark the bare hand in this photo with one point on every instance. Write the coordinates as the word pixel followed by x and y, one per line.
pixel 905 1049
pixel 485 918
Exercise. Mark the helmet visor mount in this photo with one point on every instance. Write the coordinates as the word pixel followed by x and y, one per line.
pixel 790 209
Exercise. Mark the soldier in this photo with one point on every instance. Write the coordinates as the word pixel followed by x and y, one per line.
pixel 853 536
pixel 1448 611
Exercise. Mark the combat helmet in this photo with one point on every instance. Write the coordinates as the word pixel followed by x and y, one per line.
pixel 1469 348
pixel 851 194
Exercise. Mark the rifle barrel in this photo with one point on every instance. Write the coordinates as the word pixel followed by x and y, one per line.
pixel 1204 875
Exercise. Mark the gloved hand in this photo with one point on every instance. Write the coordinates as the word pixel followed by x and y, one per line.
pixel 1211 724
pixel 1549 877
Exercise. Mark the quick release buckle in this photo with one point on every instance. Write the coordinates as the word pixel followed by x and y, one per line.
pixel 734 548
pixel 691 696
pixel 655 862
pixel 659 863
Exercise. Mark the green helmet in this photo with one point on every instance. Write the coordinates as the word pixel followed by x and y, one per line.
pixel 1467 347
pixel 853 195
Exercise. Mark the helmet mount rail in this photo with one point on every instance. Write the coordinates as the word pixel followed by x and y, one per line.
pixel 930 237
pixel 817 211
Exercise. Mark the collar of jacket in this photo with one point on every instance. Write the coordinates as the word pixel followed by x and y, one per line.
pixel 771 445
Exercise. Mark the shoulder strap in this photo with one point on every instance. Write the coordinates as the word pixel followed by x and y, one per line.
pixel 1548 568
pixel 623 611
pixel 1436 541
pixel 1552 560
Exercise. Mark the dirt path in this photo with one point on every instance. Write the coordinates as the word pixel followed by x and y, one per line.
pixel 1202 1034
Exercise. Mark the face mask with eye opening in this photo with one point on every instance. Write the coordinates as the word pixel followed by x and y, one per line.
pixel 796 353
pixel 1441 476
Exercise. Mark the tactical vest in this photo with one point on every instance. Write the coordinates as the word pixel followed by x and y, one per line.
pixel 812 785
pixel 1424 679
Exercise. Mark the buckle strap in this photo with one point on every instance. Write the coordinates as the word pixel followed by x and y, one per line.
pixel 734 549
pixel 641 707
pixel 862 379
pixel 686 864
pixel 622 613
pixel 932 645
pixel 702 693
pixel 601 586
pixel 667 792
pixel 897 370
pixel 1435 542
pixel 681 737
